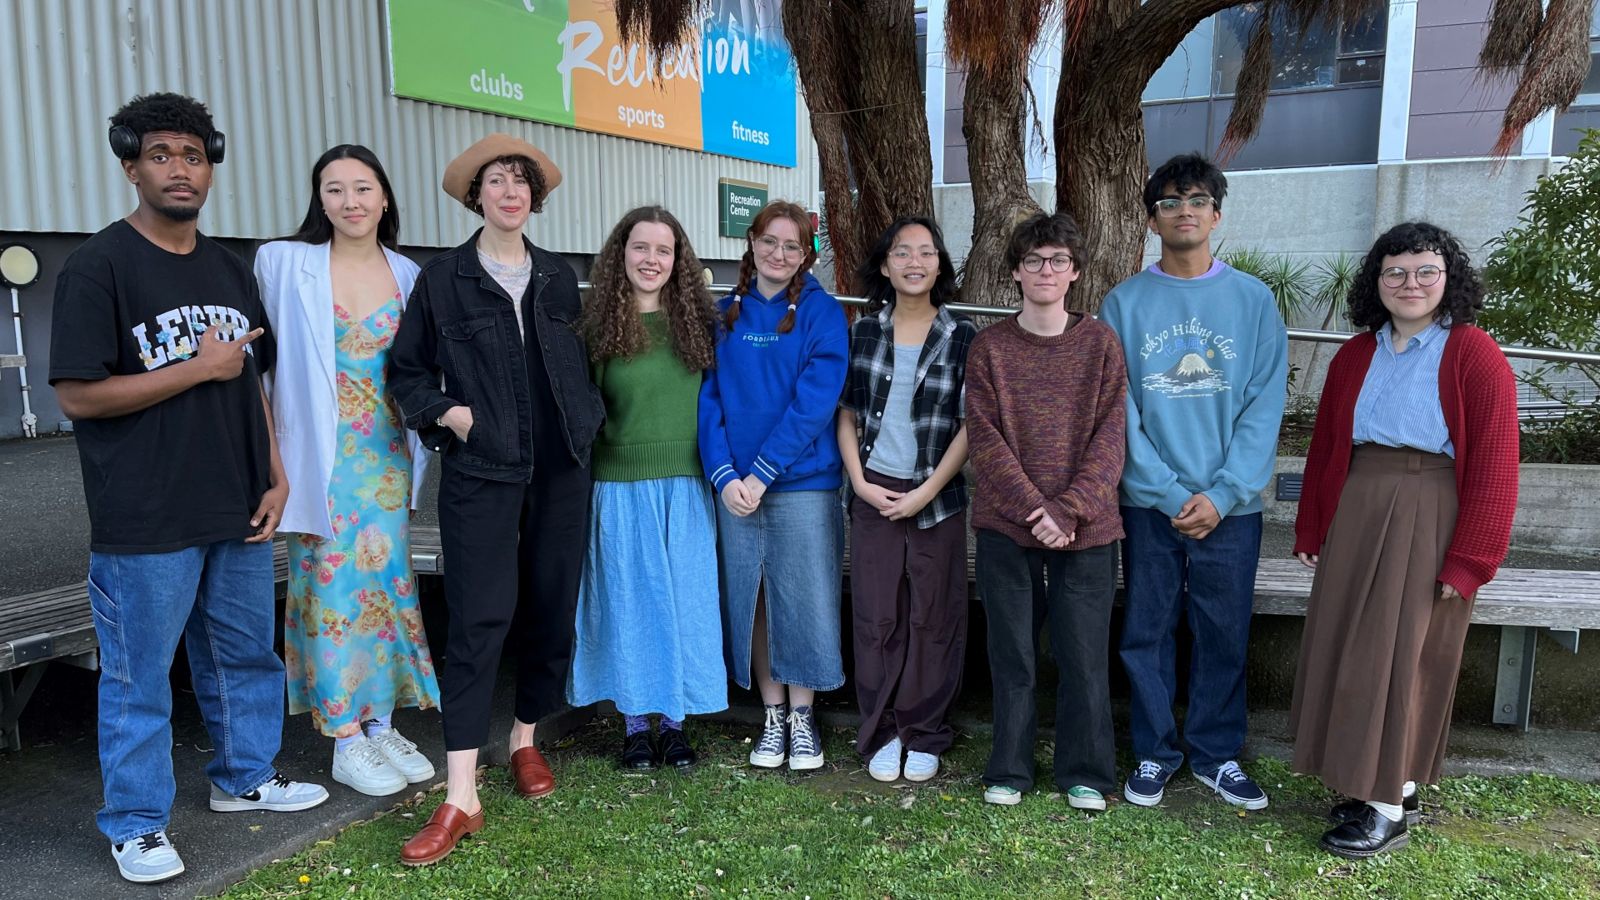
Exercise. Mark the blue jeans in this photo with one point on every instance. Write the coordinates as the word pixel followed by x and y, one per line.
pixel 220 597
pixel 1167 574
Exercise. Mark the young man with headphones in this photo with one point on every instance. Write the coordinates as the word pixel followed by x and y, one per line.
pixel 158 345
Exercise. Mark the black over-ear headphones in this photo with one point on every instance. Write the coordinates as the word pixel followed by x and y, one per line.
pixel 126 145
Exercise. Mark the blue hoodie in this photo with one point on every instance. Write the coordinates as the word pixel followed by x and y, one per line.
pixel 767 407
pixel 1208 363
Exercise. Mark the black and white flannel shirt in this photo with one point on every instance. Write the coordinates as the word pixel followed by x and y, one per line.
pixel 937 406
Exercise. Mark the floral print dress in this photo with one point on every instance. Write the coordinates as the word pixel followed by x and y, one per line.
pixel 353 640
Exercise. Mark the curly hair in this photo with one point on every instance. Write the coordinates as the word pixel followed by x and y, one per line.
pixel 1045 230
pixel 611 320
pixel 777 209
pixel 877 287
pixel 165 112
pixel 518 163
pixel 1182 172
pixel 1463 289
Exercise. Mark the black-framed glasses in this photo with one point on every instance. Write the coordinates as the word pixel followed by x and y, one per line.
pixel 1395 276
pixel 1035 263
pixel 1169 206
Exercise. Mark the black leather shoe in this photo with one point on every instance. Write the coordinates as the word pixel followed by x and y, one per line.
pixel 675 749
pixel 1351 809
pixel 639 752
pixel 1366 836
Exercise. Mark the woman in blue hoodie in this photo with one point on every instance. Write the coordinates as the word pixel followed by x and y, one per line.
pixel 767 443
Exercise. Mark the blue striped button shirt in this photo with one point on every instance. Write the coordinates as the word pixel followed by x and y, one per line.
pixel 1399 402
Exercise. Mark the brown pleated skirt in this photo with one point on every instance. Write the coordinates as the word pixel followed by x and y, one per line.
pixel 1381 651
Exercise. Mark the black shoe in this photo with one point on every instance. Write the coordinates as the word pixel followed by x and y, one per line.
pixel 639 752
pixel 1351 809
pixel 1366 836
pixel 675 749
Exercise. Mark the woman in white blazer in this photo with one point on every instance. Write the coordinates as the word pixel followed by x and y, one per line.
pixel 354 645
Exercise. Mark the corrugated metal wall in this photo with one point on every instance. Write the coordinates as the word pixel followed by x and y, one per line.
pixel 285 79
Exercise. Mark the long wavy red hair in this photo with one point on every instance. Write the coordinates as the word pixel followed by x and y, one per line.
pixel 777 209
pixel 611 320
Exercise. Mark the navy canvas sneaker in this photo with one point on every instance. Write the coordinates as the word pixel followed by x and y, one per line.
pixel 1234 786
pixel 1147 784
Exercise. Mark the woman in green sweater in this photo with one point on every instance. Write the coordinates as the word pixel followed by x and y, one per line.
pixel 649 634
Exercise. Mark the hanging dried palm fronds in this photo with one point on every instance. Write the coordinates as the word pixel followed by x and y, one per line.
pixel 658 25
pixel 1250 96
pixel 1557 63
pixel 1513 25
pixel 993 37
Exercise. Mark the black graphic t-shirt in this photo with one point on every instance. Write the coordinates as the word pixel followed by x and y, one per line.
pixel 191 469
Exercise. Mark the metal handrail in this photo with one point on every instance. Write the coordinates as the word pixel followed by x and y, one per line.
pixel 1540 354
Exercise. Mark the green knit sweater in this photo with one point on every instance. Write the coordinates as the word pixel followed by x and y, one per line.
pixel 651 400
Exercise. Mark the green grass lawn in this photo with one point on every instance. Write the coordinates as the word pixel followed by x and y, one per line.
pixel 729 830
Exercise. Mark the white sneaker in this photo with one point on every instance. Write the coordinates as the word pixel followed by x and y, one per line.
pixel 147 858
pixel 362 767
pixel 279 794
pixel 921 766
pixel 402 755
pixel 885 764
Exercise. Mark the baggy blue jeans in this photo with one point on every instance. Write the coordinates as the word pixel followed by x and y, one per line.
pixel 1212 580
pixel 220 597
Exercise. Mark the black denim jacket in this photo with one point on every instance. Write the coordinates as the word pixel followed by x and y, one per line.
pixel 461 325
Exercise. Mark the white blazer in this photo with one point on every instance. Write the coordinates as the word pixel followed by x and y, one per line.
pixel 297 290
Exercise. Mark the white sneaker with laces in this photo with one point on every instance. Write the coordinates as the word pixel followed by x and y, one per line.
pixel 885 764
pixel 402 755
pixel 362 767
pixel 147 858
pixel 279 794
pixel 921 766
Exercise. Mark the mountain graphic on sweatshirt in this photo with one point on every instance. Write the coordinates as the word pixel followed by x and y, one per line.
pixel 1190 375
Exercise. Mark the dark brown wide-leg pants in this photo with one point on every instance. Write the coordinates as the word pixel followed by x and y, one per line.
pixel 908 592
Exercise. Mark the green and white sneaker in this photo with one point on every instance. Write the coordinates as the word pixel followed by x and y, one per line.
pixel 1080 797
pixel 1002 795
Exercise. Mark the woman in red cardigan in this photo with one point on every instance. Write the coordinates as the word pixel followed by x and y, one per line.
pixel 1410 489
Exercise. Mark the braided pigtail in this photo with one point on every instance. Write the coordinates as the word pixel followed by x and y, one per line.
pixel 745 284
pixel 796 284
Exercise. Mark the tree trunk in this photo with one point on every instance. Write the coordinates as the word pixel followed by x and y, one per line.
pixel 1099 127
pixel 856 61
pixel 994 122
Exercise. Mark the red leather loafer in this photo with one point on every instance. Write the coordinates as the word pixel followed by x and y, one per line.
pixel 445 828
pixel 531 774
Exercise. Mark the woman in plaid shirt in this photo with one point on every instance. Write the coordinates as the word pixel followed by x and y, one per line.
pixel 903 443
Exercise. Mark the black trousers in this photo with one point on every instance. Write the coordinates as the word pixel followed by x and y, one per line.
pixel 513 554
pixel 1021 587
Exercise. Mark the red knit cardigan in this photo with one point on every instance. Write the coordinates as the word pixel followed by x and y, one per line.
pixel 1479 396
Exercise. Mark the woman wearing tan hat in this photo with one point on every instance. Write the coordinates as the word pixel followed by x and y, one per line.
pixel 513 421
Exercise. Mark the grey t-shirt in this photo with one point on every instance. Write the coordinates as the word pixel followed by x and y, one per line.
pixel 514 279
pixel 895 452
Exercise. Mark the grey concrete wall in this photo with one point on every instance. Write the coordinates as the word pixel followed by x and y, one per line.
pixel 1556 508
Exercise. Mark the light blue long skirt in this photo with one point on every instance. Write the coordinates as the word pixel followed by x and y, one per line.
pixel 649 624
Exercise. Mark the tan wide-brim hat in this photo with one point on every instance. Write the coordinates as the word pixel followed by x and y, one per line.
pixel 459 174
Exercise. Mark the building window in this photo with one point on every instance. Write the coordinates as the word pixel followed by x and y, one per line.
pixel 1323 56
pixel 922 47
pixel 1589 95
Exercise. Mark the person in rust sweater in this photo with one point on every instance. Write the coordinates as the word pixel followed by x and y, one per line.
pixel 1046 417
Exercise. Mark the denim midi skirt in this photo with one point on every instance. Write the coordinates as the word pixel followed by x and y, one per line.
pixel 648 626
pixel 793 545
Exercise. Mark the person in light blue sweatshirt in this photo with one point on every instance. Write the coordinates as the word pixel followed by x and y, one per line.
pixel 1207 358
pixel 768 445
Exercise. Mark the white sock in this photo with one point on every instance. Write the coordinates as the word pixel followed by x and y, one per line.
pixel 1410 790
pixel 1391 811
pixel 344 743
pixel 377 726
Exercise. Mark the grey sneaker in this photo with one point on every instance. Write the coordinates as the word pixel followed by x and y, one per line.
pixel 403 755
pixel 147 858
pixel 772 748
pixel 279 794
pixel 805 745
